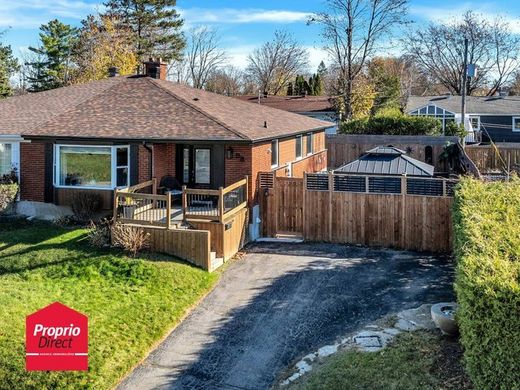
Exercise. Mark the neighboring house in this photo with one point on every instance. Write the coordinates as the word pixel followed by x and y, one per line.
pixel 318 107
pixel 496 117
pixel 387 161
pixel 125 130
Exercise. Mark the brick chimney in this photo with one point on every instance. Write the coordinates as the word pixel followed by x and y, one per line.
pixel 155 69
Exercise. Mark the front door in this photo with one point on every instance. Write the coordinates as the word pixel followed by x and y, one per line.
pixel 196 166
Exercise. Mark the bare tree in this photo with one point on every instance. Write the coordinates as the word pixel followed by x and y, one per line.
pixel 277 62
pixel 353 31
pixel 227 80
pixel 438 49
pixel 204 55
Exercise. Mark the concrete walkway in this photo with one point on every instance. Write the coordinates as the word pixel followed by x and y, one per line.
pixel 281 302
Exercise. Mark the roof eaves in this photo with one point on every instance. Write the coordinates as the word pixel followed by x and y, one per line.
pixel 184 101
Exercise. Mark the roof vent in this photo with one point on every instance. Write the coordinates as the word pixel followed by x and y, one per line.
pixel 196 99
pixel 265 124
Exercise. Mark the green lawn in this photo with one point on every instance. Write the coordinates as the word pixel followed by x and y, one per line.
pixel 419 360
pixel 131 303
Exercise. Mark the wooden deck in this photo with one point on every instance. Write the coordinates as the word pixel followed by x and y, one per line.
pixel 208 229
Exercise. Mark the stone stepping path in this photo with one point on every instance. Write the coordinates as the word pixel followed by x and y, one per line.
pixel 371 338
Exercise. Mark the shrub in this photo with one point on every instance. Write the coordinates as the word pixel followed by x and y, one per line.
pixel 132 239
pixel 85 205
pixel 99 234
pixel 455 129
pixel 8 194
pixel 393 125
pixel 487 247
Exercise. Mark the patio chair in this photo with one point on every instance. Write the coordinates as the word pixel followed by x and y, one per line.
pixel 171 185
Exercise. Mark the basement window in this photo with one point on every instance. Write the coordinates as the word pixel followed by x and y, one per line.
pixel 92 167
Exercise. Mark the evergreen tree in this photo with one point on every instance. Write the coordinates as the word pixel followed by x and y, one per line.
pixel 155 25
pixel 301 86
pixel 322 69
pixel 53 66
pixel 8 66
pixel 290 89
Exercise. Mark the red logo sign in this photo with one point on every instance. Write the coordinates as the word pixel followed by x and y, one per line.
pixel 56 339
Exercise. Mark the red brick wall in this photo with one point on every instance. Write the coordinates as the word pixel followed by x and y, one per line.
pixel 143 165
pixel 314 163
pixel 164 160
pixel 32 171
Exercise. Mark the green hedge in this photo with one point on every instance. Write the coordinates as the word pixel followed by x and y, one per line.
pixel 487 247
pixel 393 125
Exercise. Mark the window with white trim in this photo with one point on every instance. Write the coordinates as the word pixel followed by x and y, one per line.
pixel 299 146
pixel 103 167
pixel 9 157
pixel 274 153
pixel 310 146
pixel 436 112
pixel 516 123
pixel 475 122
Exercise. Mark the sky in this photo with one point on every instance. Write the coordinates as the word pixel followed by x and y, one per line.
pixel 242 24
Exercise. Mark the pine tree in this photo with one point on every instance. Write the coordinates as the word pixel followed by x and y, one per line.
pixel 8 66
pixel 301 86
pixel 322 69
pixel 155 24
pixel 290 89
pixel 53 65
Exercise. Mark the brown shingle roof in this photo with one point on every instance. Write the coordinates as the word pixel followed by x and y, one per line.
pixel 299 104
pixel 145 108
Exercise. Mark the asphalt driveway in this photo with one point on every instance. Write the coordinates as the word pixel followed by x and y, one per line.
pixel 281 302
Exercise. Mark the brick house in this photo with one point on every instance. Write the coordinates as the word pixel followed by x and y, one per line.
pixel 127 129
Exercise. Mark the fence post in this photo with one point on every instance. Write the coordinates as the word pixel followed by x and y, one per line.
pixel 184 203
pixel 304 202
pixel 221 204
pixel 275 203
pixel 116 204
pixel 331 189
pixel 168 210
pixel 444 187
pixel 404 190
pixel 154 191
pixel 367 182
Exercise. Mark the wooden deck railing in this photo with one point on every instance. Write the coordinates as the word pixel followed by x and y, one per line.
pixel 141 205
pixel 214 205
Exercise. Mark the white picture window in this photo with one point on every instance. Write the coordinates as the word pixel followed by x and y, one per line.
pixel 274 153
pixel 516 123
pixel 103 167
pixel 9 157
pixel 202 166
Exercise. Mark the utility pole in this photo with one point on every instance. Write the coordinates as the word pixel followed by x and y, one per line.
pixel 464 85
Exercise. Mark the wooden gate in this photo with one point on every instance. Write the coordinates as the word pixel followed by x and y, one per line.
pixel 281 204
pixel 289 205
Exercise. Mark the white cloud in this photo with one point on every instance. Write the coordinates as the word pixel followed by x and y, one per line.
pixel 33 13
pixel 240 16
pixel 449 14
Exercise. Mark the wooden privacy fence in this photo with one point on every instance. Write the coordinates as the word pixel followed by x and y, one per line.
pixel 401 212
pixel 487 158
pixel 344 148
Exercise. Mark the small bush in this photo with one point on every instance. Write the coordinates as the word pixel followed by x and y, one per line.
pixel 393 125
pixel 99 234
pixel 455 129
pixel 85 205
pixel 8 194
pixel 487 247
pixel 131 238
